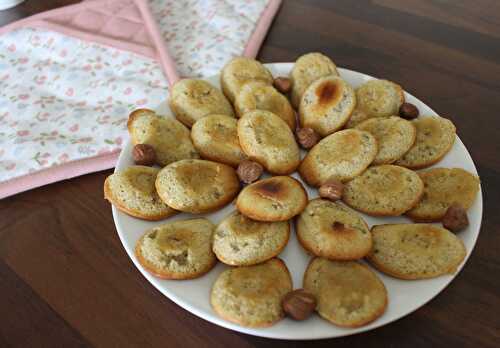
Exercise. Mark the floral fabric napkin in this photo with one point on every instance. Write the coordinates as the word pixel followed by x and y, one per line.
pixel 70 77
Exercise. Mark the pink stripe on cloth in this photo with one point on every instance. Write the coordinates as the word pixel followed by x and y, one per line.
pixel 258 35
pixel 62 172
pixel 165 59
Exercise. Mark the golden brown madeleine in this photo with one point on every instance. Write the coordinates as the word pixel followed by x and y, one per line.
pixel 197 186
pixel 267 139
pixel 215 137
pixel 342 155
pixel 326 105
pixel 251 295
pixel 274 199
pixel 307 69
pixel 241 241
pixel 193 99
pixel 385 190
pixel 349 294
pixel 133 192
pixel 435 138
pixel 395 136
pixel 177 250
pixel 238 72
pixel 380 98
pixel 442 188
pixel 169 138
pixel 259 95
pixel 415 251
pixel 331 230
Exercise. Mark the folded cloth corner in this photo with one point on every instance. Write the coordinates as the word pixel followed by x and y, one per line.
pixel 69 77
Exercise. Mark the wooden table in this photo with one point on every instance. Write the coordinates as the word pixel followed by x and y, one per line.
pixel 65 279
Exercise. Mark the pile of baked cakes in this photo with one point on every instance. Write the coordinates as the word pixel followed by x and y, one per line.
pixel 361 148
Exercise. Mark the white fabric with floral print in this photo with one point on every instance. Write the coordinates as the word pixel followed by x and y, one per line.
pixel 202 35
pixel 64 99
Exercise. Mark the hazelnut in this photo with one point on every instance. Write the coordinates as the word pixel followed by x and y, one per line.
pixel 283 84
pixel 307 137
pixel 144 155
pixel 455 219
pixel 332 189
pixel 249 171
pixel 408 111
pixel 299 304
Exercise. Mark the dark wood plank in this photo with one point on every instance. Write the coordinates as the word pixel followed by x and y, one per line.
pixel 61 253
pixel 399 45
pixel 31 7
pixel 444 34
pixel 458 13
pixel 30 322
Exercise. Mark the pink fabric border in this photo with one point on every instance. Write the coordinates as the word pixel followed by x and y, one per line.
pixel 94 164
pixel 258 35
pixel 165 59
pixel 61 172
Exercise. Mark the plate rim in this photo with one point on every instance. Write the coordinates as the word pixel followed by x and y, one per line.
pixel 262 332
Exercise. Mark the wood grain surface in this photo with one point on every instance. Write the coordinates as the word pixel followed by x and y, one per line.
pixel 66 281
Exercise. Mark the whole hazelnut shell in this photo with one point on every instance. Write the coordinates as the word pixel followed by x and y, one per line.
pixel 249 171
pixel 408 111
pixel 299 304
pixel 144 155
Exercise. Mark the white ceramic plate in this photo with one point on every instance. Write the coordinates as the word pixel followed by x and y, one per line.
pixel 404 296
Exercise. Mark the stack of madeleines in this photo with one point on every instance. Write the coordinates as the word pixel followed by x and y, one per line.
pixel 363 146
